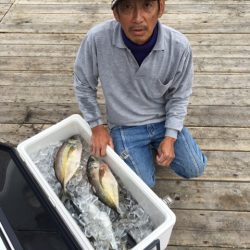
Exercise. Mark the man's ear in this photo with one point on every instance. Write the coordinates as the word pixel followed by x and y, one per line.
pixel 116 15
pixel 162 8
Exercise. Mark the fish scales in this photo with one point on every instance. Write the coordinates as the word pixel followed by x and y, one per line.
pixel 103 183
pixel 68 160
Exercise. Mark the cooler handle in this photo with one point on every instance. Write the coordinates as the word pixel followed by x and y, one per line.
pixel 153 244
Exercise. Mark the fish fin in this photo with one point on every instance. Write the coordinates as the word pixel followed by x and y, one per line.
pixel 131 242
pixel 102 171
pixel 113 185
pixel 109 183
pixel 73 162
pixel 65 153
pixel 93 188
pixel 120 212
pixel 61 194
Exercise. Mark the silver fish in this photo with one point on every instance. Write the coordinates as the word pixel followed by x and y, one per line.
pixel 103 183
pixel 68 160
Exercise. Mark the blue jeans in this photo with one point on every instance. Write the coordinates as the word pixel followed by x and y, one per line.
pixel 136 145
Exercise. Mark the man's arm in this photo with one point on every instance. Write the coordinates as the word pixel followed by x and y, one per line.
pixel 85 86
pixel 176 107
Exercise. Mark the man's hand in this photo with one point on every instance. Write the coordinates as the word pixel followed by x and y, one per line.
pixel 166 152
pixel 99 141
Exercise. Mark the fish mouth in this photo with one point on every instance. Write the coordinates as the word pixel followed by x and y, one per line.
pixel 91 160
pixel 75 138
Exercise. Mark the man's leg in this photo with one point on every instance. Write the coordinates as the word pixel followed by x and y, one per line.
pixel 132 144
pixel 189 160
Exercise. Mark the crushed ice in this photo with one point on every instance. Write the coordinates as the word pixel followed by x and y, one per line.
pixel 104 228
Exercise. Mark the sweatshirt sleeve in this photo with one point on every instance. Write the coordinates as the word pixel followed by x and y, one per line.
pixel 86 81
pixel 178 97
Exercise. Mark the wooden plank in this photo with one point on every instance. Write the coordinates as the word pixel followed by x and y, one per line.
pixel 27 26
pixel 39 50
pixel 186 23
pixel 219 39
pixel 206 195
pixel 221 51
pixel 187 18
pixel 224 139
pixel 208 65
pixel 217 80
pixel 108 1
pixel 35 113
pixel 26 94
pixel 58 64
pixel 230 65
pixel 170 247
pixel 211 229
pixel 43 78
pixel 69 8
pixel 57 94
pixel 65 50
pixel 3 8
pixel 60 1
pixel 35 79
pixel 206 96
pixel 13 134
pixel 206 8
pixel 49 39
pixel 205 116
pixel 104 8
pixel 75 39
pixel 66 95
pixel 202 1
pixel 218 116
pixel 211 139
pixel 222 165
pixel 3 2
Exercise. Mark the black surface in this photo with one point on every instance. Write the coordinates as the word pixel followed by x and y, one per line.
pixel 7 235
pixel 32 218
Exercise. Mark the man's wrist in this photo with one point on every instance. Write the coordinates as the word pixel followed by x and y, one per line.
pixel 93 124
pixel 171 133
pixel 170 139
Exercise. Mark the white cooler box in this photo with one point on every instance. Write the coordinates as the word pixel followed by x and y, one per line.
pixel 160 214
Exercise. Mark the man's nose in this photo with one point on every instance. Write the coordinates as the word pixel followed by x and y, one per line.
pixel 138 14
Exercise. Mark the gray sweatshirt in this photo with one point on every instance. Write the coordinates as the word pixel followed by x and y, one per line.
pixel 156 91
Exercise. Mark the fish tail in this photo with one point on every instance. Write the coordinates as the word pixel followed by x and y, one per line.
pixel 120 212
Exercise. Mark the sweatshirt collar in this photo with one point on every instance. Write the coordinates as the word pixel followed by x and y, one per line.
pixel 117 39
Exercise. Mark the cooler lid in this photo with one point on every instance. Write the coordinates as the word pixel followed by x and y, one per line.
pixel 31 218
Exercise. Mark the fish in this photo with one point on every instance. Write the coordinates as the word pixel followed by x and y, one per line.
pixel 68 160
pixel 103 183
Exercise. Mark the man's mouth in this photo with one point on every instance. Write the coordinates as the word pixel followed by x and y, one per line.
pixel 138 31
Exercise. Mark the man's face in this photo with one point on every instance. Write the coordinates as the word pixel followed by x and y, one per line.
pixel 138 18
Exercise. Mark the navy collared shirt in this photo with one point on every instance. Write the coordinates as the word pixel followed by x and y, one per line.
pixel 140 52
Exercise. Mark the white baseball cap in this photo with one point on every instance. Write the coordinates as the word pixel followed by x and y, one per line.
pixel 113 3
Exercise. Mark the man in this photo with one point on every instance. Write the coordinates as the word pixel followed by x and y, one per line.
pixel 145 69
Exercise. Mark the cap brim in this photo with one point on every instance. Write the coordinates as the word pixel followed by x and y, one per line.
pixel 114 4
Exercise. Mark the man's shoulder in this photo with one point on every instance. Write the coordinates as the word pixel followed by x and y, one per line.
pixel 174 36
pixel 103 28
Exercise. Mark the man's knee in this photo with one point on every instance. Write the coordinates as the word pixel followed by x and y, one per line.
pixel 196 169
pixel 191 160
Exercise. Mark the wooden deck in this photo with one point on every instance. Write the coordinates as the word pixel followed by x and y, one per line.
pixel 38 44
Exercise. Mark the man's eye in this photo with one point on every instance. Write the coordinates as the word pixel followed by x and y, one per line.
pixel 148 5
pixel 128 6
